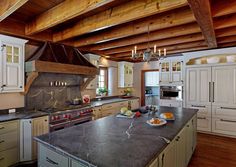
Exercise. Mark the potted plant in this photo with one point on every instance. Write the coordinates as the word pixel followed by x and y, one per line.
pixel 127 92
pixel 102 91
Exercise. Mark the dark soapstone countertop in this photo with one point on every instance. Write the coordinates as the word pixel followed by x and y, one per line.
pixel 116 142
pixel 21 115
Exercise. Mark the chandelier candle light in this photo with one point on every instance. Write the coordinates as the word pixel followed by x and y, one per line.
pixel 148 54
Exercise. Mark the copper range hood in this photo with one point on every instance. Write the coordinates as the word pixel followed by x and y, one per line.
pixel 58 58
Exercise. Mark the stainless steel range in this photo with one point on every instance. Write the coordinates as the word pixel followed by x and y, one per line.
pixel 67 117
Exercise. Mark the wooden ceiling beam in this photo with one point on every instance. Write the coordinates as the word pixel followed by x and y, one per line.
pixel 222 8
pixel 168 48
pixel 226 39
pixel 158 43
pixel 226 32
pixel 202 12
pixel 155 35
pixel 229 44
pixel 16 28
pixel 65 11
pixel 225 22
pixel 158 22
pixel 7 7
pixel 126 12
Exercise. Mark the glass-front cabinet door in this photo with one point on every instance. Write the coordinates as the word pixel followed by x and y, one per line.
pixel 12 76
pixel 165 72
pixel 176 71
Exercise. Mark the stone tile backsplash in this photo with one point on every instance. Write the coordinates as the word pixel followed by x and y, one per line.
pixel 43 95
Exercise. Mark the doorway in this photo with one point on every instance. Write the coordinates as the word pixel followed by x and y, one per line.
pixel 150 87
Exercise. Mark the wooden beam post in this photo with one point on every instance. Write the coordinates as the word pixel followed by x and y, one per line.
pixel 7 7
pixel 202 13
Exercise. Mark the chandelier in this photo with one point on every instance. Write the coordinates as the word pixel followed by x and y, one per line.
pixel 148 54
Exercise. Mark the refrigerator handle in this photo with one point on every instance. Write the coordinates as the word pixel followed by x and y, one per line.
pixel 209 91
pixel 213 94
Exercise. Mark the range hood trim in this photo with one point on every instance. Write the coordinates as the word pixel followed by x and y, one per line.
pixel 53 67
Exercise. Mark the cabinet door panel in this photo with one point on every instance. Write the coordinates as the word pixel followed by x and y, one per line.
pixel 168 157
pixel 9 157
pixel 234 87
pixel 204 85
pixel 181 149
pixel 192 85
pixel 222 85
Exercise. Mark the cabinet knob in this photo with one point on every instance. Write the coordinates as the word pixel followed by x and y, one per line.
pixel 20 86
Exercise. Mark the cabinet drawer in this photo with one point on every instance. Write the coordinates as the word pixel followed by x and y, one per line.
pixel 107 113
pixel 49 158
pixel 224 111
pixel 8 140
pixel 122 104
pixel 202 109
pixel 224 126
pixel 108 106
pixel 8 127
pixel 77 164
pixel 9 157
pixel 204 123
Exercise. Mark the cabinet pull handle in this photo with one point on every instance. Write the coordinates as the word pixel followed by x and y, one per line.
pixel 201 117
pixel 198 106
pixel 228 108
pixel 2 127
pixel 2 141
pixel 213 94
pixel 51 161
pixel 162 160
pixel 209 91
pixel 225 120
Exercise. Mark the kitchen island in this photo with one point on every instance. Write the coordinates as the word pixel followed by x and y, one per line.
pixel 113 141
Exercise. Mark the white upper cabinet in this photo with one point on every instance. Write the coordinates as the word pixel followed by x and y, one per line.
pixel 125 74
pixel 12 64
pixel 171 72
pixel 94 59
pixel 152 78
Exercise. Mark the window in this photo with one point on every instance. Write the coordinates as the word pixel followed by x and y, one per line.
pixel 102 78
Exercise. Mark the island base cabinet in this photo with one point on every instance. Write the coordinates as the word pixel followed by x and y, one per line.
pixel 9 157
pixel 168 156
pixel 49 158
pixel 77 164
pixel 179 152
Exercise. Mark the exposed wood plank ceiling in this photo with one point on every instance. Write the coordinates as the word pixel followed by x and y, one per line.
pixel 113 27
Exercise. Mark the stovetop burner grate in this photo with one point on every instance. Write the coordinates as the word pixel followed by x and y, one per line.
pixel 70 107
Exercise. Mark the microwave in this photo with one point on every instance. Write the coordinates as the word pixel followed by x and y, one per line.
pixel 171 92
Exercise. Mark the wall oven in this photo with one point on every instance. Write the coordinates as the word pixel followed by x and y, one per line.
pixel 171 92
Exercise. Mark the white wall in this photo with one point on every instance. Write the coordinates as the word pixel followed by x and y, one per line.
pixel 190 55
pixel 138 67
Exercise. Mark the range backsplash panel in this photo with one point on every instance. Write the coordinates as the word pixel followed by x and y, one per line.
pixel 53 90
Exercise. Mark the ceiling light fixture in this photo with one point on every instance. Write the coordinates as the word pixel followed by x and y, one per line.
pixel 148 54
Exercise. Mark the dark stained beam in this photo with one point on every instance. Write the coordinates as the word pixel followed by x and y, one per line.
pixel 202 13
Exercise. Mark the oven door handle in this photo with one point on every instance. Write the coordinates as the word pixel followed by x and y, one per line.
pixel 59 124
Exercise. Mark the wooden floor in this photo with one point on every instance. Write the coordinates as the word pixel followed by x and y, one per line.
pixel 214 151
